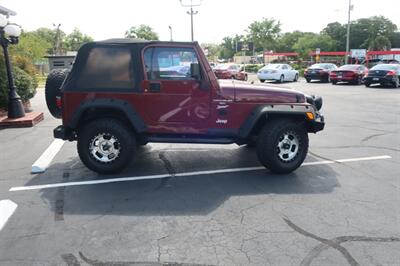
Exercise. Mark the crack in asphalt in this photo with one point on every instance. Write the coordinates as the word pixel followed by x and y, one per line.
pixel 71 260
pixel 334 243
pixel 367 138
pixel 59 204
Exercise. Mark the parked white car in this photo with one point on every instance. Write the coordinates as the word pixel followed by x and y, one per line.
pixel 278 72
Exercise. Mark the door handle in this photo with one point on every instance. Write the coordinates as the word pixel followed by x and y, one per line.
pixel 155 87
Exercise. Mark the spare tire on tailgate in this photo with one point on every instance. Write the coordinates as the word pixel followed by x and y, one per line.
pixel 52 90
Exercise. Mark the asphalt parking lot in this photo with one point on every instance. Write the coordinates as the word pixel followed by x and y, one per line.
pixel 213 205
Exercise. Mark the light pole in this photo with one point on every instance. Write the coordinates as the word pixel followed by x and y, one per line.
pixel 9 34
pixel 170 33
pixel 348 33
pixel 191 12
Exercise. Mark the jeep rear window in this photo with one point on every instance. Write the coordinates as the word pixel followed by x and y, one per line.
pixel 107 68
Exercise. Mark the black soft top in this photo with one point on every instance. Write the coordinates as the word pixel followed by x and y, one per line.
pixel 136 41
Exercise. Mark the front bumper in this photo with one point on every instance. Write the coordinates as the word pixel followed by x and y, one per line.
pixel 316 125
pixel 64 133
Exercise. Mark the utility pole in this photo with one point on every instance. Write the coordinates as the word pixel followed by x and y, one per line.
pixel 348 33
pixel 191 13
pixel 57 40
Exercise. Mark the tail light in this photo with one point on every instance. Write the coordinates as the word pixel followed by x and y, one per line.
pixel 58 102
pixel 391 73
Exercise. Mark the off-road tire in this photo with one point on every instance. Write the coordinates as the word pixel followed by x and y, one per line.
pixel 268 139
pixel 124 135
pixel 52 90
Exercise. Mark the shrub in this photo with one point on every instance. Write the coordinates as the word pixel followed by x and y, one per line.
pixel 253 68
pixel 25 84
pixel 25 79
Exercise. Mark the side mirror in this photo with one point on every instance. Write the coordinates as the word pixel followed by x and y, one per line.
pixel 195 71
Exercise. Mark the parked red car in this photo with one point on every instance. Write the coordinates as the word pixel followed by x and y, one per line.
pixel 349 73
pixel 230 71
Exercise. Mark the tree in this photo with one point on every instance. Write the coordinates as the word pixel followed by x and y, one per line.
pixel 338 33
pixel 380 43
pixel 75 39
pixel 49 35
pixel 311 41
pixel 395 39
pixel 213 49
pixel 141 32
pixel 264 33
pixel 286 42
pixel 31 47
pixel 364 31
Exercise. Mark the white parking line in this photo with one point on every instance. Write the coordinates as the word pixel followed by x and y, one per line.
pixel 7 208
pixel 45 159
pixel 209 172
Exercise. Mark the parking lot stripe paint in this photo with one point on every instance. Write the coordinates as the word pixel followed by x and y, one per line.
pixel 7 208
pixel 207 172
pixel 48 155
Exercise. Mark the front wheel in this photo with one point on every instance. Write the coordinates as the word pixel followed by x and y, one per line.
pixel 282 145
pixel 106 146
pixel 308 80
pixel 281 79
pixel 262 80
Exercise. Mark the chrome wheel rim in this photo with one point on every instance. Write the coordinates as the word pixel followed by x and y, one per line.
pixel 288 146
pixel 105 148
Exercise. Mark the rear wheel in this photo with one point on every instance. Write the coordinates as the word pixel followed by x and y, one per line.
pixel 52 90
pixel 395 84
pixel 106 146
pixel 296 78
pixel 367 84
pixel 282 145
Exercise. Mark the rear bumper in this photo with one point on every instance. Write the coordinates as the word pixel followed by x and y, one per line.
pixel 383 80
pixel 64 133
pixel 317 76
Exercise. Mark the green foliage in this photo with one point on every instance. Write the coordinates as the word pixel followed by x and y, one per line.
pixel 338 33
pixel 142 31
pixel 25 84
pixel 264 33
pixel 75 39
pixel 286 42
pixel 253 68
pixel 312 41
pixel 30 46
pixel 49 36
pixel 380 43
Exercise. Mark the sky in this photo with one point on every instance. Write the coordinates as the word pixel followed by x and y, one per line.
pixel 215 19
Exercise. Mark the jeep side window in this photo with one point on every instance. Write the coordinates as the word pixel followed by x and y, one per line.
pixel 169 63
pixel 107 68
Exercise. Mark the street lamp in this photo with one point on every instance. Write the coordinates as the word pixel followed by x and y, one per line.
pixel 170 33
pixel 9 34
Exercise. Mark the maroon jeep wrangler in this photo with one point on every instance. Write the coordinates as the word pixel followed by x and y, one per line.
pixel 122 93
